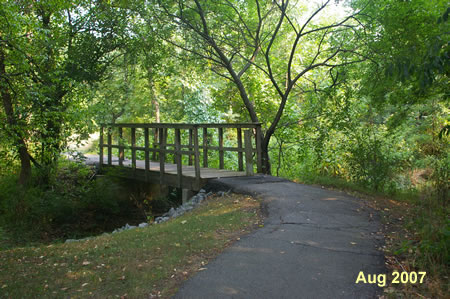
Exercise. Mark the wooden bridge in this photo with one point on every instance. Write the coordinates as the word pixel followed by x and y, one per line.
pixel 173 157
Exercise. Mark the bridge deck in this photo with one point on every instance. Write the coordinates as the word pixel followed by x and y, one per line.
pixel 170 170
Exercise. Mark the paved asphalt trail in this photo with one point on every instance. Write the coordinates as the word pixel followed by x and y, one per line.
pixel 313 245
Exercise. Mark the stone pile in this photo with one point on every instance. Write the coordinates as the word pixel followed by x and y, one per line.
pixel 185 207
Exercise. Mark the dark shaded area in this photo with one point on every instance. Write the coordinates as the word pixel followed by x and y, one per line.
pixel 76 203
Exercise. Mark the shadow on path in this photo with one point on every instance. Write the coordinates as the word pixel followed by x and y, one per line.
pixel 313 245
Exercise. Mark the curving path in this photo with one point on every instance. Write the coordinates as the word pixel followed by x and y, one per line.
pixel 313 245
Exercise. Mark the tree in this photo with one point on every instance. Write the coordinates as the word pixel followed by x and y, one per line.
pixel 49 50
pixel 234 36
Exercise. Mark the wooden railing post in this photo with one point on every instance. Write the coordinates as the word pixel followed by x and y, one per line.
pixel 239 144
pixel 190 147
pixel 221 162
pixel 258 149
pixel 174 157
pixel 162 154
pixel 248 152
pixel 133 148
pixel 205 147
pixel 196 159
pixel 178 157
pixel 155 142
pixel 109 146
pixel 166 134
pixel 121 148
pixel 100 145
pixel 147 154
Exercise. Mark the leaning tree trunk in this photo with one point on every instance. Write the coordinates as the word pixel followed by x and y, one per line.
pixel 25 164
pixel 19 142
pixel 266 167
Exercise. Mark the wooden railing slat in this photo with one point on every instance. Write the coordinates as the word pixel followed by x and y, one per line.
pixel 248 152
pixel 155 142
pixel 162 156
pixel 205 147
pixel 147 153
pixel 196 159
pixel 240 148
pixel 121 149
pixel 165 130
pixel 221 162
pixel 109 146
pixel 133 148
pixel 190 146
pixel 100 144
pixel 178 158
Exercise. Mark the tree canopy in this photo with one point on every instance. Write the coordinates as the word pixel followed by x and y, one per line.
pixel 356 89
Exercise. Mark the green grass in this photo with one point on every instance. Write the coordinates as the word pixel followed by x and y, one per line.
pixel 358 189
pixel 135 263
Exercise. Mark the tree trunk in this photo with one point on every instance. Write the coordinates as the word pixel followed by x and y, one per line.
pixel 155 104
pixel 25 162
pixel 266 168
pixel 154 98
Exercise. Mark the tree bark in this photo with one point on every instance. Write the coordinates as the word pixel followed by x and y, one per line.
pixel 19 142
pixel 155 104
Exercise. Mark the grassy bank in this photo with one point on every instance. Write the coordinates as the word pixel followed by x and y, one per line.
pixel 134 263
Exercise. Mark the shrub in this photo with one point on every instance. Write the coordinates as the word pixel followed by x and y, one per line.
pixel 71 203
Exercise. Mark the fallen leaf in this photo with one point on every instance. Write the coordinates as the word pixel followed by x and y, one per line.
pixel 85 263
pixel 84 284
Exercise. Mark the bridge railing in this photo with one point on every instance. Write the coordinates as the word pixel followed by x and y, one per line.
pixel 192 140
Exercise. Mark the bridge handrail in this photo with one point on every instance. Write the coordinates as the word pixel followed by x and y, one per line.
pixel 192 150
pixel 183 125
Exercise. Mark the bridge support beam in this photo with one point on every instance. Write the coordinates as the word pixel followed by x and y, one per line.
pixel 186 194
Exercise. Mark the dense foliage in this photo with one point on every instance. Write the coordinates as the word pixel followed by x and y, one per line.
pixel 352 91
pixel 66 206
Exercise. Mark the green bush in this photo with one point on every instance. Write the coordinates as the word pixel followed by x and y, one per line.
pixel 371 160
pixel 71 203
pixel 431 246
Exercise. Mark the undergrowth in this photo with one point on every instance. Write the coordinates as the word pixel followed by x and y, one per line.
pixel 69 203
